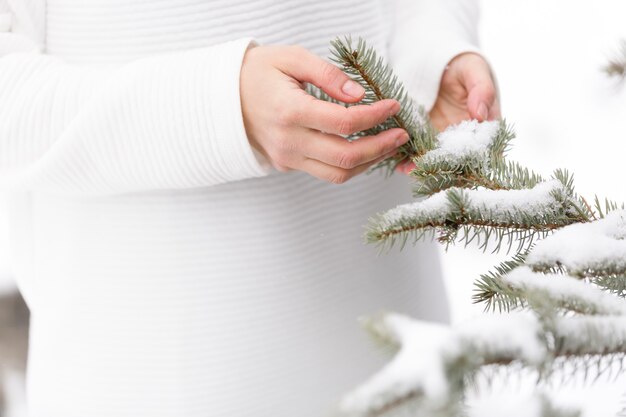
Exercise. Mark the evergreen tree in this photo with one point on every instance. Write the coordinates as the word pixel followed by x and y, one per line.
pixel 561 292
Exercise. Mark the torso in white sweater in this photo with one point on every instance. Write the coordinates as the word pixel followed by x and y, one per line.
pixel 169 273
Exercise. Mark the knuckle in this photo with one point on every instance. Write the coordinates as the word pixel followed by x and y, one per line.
pixel 346 125
pixel 287 116
pixel 286 147
pixel 329 73
pixel 339 177
pixel 347 160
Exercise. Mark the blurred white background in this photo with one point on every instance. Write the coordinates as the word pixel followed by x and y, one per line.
pixel 548 56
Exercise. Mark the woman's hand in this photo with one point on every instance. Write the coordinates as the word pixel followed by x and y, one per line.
pixel 467 91
pixel 294 130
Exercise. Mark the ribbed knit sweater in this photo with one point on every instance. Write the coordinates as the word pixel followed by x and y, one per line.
pixel 169 271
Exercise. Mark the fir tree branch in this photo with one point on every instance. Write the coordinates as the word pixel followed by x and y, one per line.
pixel 474 194
pixel 485 166
pixel 363 64
pixel 520 287
pixel 436 380
pixel 592 250
pixel 479 214
pixel 491 289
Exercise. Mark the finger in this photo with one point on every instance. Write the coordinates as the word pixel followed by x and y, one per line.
pixel 308 67
pixel 334 118
pixel 337 151
pixel 481 89
pixel 406 167
pixel 335 174
pixel 495 113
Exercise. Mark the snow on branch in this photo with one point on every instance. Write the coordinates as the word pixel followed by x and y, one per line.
pixel 590 335
pixel 535 210
pixel 474 194
pixel 522 286
pixel 471 155
pixel 588 249
pixel 466 144
pixel 366 67
pixel 430 367
pixel 538 404
pixel 430 370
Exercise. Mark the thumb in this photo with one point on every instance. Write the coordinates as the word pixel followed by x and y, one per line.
pixel 305 66
pixel 481 91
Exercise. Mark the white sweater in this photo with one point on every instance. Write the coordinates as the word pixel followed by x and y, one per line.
pixel 168 270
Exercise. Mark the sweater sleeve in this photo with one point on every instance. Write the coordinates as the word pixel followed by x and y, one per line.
pixel 164 122
pixel 427 35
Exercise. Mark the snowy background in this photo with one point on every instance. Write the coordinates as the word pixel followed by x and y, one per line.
pixel 548 56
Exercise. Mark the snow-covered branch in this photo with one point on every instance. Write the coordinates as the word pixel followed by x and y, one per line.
pixel 478 213
pixel 590 249
pixel 474 194
pixel 522 286
pixel 428 374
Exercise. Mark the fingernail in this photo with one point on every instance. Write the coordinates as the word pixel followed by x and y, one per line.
pixel 394 108
pixel 353 89
pixel 483 112
pixel 402 140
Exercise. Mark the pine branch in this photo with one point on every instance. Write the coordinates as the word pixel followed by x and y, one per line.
pixel 569 280
pixel 363 64
pixel 480 165
pixel 520 287
pixel 607 208
pixel 612 283
pixel 479 215
pixel 591 250
pixel 430 371
pixel 491 289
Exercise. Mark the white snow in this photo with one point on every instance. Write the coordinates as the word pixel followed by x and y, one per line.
pixel 466 140
pixel 526 405
pixel 514 335
pixel 435 207
pixel 585 245
pixel 562 287
pixel 531 406
pixel 501 204
pixel 419 367
pixel 418 371
pixel 592 334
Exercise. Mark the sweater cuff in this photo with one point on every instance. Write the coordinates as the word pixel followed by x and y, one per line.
pixel 232 148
